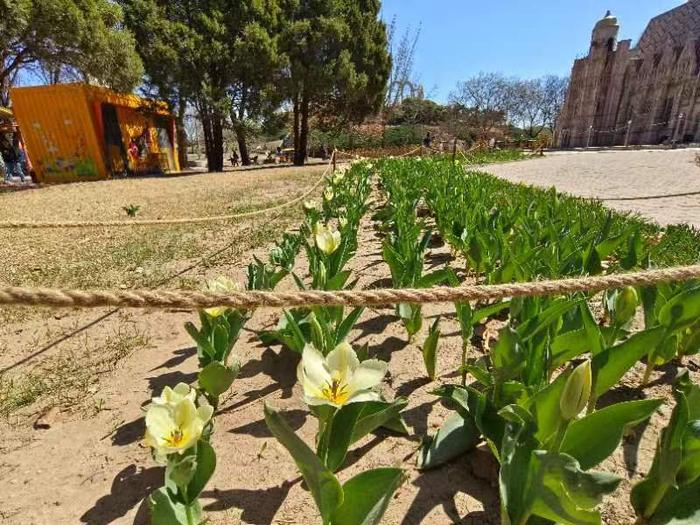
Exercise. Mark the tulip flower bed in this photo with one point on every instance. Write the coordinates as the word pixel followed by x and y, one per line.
pixel 532 397
pixel 581 409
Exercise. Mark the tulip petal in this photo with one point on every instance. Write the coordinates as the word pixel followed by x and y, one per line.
pixel 182 389
pixel 205 412
pixel 343 359
pixel 185 412
pixel 316 373
pixel 369 374
pixel 362 397
pixel 159 422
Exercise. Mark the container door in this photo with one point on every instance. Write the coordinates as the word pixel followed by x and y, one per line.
pixel 117 161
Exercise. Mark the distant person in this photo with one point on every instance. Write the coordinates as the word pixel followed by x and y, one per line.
pixel 134 151
pixel 428 140
pixel 12 162
pixel 234 159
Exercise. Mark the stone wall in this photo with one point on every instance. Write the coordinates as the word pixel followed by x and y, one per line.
pixel 643 95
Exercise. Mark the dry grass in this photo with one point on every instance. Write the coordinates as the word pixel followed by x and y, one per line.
pixel 126 258
pixel 140 256
pixel 65 380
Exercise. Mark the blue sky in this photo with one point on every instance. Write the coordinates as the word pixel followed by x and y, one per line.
pixel 515 37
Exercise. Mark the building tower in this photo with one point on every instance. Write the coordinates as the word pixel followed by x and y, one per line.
pixel 604 37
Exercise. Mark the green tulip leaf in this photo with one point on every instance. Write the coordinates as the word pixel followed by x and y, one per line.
pixel 367 497
pixel 456 437
pixel 206 464
pixel 545 408
pixel 682 309
pixel 353 422
pixel 566 494
pixel 430 349
pixel 215 378
pixel 165 511
pixel 594 437
pixel 610 365
pixel 324 486
pixel 680 506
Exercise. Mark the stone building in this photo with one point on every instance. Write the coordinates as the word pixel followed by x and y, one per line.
pixel 646 94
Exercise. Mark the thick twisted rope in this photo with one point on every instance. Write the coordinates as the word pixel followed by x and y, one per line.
pixel 168 222
pixel 380 297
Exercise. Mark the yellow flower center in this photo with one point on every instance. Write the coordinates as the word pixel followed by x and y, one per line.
pixel 336 391
pixel 176 437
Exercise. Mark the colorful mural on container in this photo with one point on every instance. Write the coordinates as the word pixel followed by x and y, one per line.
pixel 80 132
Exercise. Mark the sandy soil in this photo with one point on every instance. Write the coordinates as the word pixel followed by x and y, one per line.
pixel 662 185
pixel 86 464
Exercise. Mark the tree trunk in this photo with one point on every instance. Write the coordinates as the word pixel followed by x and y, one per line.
pixel 217 161
pixel 208 137
pixel 297 131
pixel 213 142
pixel 300 152
pixel 242 145
pixel 181 135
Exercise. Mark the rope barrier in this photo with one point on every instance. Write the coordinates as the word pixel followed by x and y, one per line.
pixel 262 299
pixel 167 222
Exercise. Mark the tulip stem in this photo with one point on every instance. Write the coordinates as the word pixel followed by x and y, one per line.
pixel 647 373
pixel 188 508
pixel 559 437
pixel 655 499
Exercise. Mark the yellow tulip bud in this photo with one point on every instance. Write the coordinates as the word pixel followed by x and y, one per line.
pixel 309 205
pixel 577 391
pixel 626 304
pixel 328 194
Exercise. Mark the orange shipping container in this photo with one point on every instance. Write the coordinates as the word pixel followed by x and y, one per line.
pixel 76 132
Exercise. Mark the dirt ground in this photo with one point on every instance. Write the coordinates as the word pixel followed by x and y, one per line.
pixel 71 452
pixel 662 185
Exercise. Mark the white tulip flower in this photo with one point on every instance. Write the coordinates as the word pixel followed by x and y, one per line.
pixel 339 378
pixel 221 284
pixel 174 426
pixel 327 241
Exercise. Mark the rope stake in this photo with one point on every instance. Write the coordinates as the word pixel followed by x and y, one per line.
pixel 248 300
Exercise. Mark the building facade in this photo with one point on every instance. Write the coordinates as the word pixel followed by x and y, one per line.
pixel 647 94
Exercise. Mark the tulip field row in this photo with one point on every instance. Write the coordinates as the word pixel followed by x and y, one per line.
pixel 537 395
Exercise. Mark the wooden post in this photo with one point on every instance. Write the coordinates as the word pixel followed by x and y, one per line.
pixel 454 152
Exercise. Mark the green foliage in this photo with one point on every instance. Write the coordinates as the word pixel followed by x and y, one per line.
pixel 132 210
pixel 185 478
pixel 360 501
pixel 353 422
pixel 430 347
pixel 266 276
pixel 338 61
pixel 86 37
pixel 669 493
pixel 417 111
pixel 215 341
pixel 402 135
